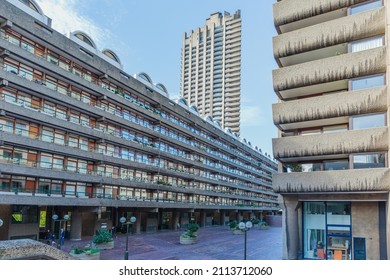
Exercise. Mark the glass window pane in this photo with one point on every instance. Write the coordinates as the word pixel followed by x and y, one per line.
pixel 369 121
pixel 368 82
pixel 336 165
pixel 369 161
pixel 335 128
pixel 313 229
pixel 310 167
pixel 366 44
pixel 365 7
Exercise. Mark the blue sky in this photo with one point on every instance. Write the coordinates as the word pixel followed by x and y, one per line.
pixel 147 37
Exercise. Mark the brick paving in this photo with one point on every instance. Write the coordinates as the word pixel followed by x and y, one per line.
pixel 214 243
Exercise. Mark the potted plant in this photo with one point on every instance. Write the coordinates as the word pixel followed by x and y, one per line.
pixel 264 225
pixel 256 222
pixel 234 227
pixel 85 253
pixel 103 239
pixel 190 236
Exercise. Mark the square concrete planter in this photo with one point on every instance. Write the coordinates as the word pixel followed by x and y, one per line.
pixel 105 246
pixel 188 240
pixel 237 231
pixel 85 256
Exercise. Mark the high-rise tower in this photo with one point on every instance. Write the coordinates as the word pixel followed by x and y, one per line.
pixel 211 69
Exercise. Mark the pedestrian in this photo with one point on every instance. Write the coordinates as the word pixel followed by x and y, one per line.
pixel 62 237
pixel 48 237
pixel 113 232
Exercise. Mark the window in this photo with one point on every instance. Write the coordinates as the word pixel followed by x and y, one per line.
pixel 366 44
pixel 368 121
pixel 22 214
pixel 365 7
pixel 336 165
pixel 376 160
pixel 310 167
pixel 368 82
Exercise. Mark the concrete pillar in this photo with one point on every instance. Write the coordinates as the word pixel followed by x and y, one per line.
pixel 77 223
pixel 203 219
pixel 290 231
pixel 222 218
pixel 176 220
pixel 137 224
pixel 238 216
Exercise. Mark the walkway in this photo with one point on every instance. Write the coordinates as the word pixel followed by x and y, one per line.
pixel 214 243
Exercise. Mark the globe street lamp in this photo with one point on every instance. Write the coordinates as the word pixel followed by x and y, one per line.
pixel 64 219
pixel 123 221
pixel 1 222
pixel 245 227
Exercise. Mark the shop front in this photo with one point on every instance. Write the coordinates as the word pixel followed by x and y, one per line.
pixel 327 230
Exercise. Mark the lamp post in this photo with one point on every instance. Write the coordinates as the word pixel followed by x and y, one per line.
pixel 123 221
pixel 64 219
pixel 245 227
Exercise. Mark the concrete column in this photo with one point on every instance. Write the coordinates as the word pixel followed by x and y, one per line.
pixel 202 219
pixel 290 231
pixel 238 216
pixel 137 224
pixel 77 223
pixel 222 218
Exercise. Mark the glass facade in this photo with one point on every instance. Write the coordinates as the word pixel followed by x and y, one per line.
pixel 327 230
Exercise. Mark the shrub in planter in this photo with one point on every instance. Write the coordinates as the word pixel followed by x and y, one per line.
pixel 233 225
pixel 190 236
pixel 264 225
pixel 85 253
pixel 103 239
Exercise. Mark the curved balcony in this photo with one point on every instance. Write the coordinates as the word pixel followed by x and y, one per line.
pixel 331 69
pixel 287 11
pixel 288 114
pixel 361 180
pixel 352 141
pixel 332 33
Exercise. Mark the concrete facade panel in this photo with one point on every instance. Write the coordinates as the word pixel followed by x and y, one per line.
pixel 352 141
pixel 331 69
pixel 343 30
pixel 358 180
pixel 331 106
pixel 365 223
pixel 287 11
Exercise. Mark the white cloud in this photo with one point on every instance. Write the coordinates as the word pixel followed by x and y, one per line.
pixel 66 18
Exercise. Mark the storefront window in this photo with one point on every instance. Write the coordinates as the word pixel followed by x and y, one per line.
pixel 327 230
pixel 314 228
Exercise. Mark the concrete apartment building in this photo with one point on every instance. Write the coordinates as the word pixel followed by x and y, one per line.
pixel 211 69
pixel 332 117
pixel 81 137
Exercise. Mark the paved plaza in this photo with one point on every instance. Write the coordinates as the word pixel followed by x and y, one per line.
pixel 214 243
